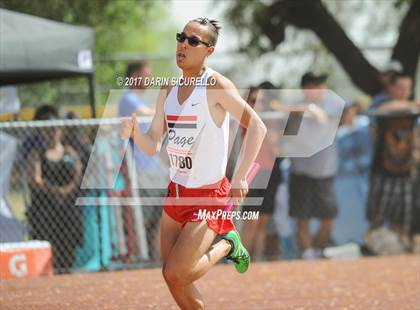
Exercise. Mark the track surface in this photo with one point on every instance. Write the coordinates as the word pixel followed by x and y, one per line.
pixel 370 283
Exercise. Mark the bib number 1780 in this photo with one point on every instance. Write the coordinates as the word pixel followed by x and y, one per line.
pixel 180 161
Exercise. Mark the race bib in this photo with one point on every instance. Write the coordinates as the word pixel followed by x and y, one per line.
pixel 180 152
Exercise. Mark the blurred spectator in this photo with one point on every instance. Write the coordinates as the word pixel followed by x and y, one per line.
pixel 152 179
pixel 349 113
pixel 76 137
pixel 351 183
pixel 101 222
pixel 11 229
pixel 9 100
pixel 132 101
pixel 354 141
pixel 394 182
pixel 254 233
pixel 394 67
pixel 54 173
pixel 311 185
pixel 35 141
pixel 399 87
pixel 95 251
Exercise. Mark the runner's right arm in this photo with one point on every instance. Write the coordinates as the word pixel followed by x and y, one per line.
pixel 151 141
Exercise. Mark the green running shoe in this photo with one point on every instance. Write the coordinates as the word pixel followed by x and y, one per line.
pixel 238 254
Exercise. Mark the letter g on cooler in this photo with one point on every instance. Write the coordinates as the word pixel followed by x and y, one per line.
pixel 18 266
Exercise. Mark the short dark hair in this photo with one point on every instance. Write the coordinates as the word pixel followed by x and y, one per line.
pixel 213 28
pixel 135 67
pixel 270 92
pixel 267 85
pixel 312 78
pixel 397 75
pixel 45 112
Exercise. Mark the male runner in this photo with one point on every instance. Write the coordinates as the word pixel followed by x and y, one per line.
pixel 196 119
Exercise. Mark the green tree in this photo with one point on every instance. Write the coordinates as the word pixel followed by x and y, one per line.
pixel 120 26
pixel 265 24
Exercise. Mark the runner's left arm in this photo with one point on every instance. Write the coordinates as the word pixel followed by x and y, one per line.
pixel 227 96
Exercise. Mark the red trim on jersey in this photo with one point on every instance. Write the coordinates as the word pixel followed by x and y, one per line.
pixel 181 118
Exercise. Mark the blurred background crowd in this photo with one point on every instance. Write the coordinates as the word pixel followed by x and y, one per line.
pixel 66 177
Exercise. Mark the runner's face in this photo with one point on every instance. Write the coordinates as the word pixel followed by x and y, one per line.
pixel 187 56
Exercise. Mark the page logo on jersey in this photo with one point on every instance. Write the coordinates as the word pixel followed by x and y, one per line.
pixel 181 122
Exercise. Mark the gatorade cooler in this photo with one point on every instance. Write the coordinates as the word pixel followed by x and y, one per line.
pixel 25 259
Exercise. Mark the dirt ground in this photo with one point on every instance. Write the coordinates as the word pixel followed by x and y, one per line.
pixel 369 283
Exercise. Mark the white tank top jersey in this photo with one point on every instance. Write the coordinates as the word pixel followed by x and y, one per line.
pixel 197 147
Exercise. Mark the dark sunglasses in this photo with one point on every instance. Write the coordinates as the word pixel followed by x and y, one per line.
pixel 193 40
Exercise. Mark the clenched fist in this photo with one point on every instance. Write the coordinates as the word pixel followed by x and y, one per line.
pixel 127 126
pixel 239 190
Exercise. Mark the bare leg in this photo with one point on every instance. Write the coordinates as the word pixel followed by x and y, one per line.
pixel 169 232
pixel 189 259
pixel 303 234
pixel 324 233
pixel 213 255
pixel 261 237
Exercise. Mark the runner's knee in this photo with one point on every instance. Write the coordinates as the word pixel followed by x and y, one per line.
pixel 176 276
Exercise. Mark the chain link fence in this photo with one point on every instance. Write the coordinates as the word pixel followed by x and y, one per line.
pixel 89 227
pixel 75 183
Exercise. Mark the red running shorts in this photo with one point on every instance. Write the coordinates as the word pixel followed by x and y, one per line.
pixel 210 198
